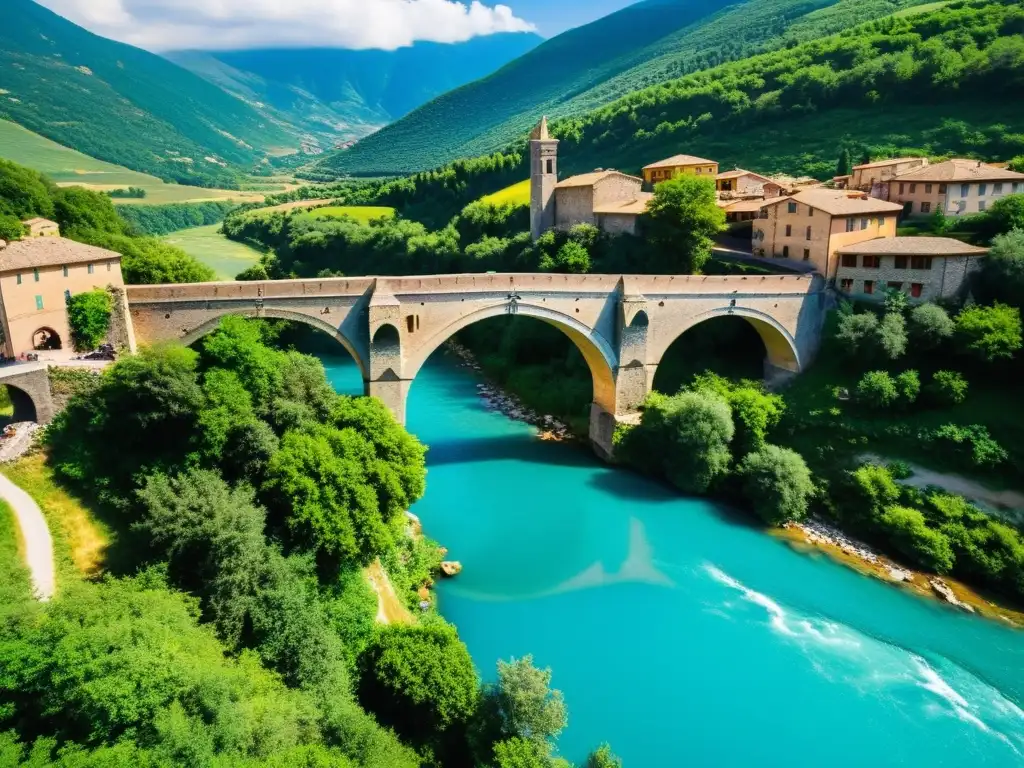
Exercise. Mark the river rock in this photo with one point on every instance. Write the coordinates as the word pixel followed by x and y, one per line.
pixel 451 567
pixel 941 588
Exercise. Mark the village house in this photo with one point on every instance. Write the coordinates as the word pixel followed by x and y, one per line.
pixel 812 225
pixel 925 268
pixel 874 178
pixel 740 182
pixel 679 164
pixel 37 277
pixel 607 199
pixel 955 187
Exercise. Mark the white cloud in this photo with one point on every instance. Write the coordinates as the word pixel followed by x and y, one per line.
pixel 229 24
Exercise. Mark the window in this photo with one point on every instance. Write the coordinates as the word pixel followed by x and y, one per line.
pixel 942 189
pixel 35 275
pixel 65 270
pixel 789 230
pixel 807 254
pixel 791 207
pixel 926 207
pixel 997 188
pixel 19 278
pixel 982 205
pixel 901 187
pixel 927 189
pixel 550 165
pixel 863 223
pixel 39 302
pixel 67 296
pixel 895 285
pixel 808 232
pixel 850 260
pixel 850 224
pixel 921 262
pixel 965 190
pixel 1016 187
pixel 846 284
pixel 810 211
pixel 915 290
pixel 901 262
pixel 109 265
pixel 785 251
pixel 869 286
pixel 913 188
pixel 982 190
pixel 871 262
pixel 91 268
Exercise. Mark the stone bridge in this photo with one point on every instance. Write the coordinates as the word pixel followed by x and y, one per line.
pixel 29 387
pixel 623 324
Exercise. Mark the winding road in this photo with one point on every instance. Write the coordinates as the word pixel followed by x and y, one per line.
pixel 38 544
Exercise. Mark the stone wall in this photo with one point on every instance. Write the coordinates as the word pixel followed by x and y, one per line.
pixel 574 205
pixel 947 277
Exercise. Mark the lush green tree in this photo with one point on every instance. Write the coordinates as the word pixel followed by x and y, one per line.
pixel 237 345
pixel 603 757
pixel 79 209
pixel 989 333
pixel 844 167
pixel 858 332
pixel 930 326
pixel 419 679
pixel 777 483
pixel 877 389
pixel 896 301
pixel 89 319
pixel 254 273
pixel 1007 214
pixel 573 258
pixel 892 336
pixel 909 532
pixel 1001 277
pixel 684 438
pixel 871 488
pixel 972 442
pixel 680 222
pixel 526 704
pixel 948 388
pixel 755 411
pixel 11 227
pixel 908 384
pixel 523 753
pixel 25 193
pixel 147 260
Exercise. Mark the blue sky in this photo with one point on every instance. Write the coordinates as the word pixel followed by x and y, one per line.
pixel 554 16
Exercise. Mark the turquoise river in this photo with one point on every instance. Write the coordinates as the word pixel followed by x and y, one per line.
pixel 679 633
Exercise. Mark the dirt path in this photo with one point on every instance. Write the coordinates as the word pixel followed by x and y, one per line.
pixel 390 610
pixel 38 544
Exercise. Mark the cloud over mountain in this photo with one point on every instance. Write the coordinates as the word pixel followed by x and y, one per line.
pixel 232 24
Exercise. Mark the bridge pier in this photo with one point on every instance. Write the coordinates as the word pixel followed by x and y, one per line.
pixel 393 392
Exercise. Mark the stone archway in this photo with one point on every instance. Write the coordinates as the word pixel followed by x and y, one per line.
pixel 46 338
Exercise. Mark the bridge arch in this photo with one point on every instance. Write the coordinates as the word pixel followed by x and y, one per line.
pixel 279 314
pixel 596 350
pixel 23 404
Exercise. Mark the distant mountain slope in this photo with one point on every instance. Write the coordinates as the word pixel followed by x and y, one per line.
pixel 121 104
pixel 645 44
pixel 339 94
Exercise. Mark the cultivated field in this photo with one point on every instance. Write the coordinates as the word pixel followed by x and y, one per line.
pixel 225 257
pixel 517 194
pixel 361 213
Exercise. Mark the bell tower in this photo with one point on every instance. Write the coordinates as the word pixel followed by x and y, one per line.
pixel 543 178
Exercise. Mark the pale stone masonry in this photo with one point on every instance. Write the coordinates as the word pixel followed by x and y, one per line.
pixel 925 268
pixel 874 178
pixel 956 187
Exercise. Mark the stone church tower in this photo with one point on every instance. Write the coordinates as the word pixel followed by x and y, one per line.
pixel 543 178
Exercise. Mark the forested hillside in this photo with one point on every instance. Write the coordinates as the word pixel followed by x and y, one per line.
pixel 339 95
pixel 124 105
pixel 586 68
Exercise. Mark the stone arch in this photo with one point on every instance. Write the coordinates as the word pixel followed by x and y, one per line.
pixel 46 338
pixel 780 346
pixel 279 314
pixel 600 357
pixel 25 408
pixel 640 320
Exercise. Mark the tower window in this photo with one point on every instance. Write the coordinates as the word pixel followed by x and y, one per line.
pixel 550 165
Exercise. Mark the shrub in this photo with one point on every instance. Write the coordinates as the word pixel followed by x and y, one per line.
pixel 11 227
pixel 900 470
pixel 1001 277
pixel 755 411
pixel 892 336
pixel 1007 214
pixel 911 535
pixel 989 333
pixel 871 489
pixel 947 388
pixel 858 331
pixel 908 384
pixel 89 318
pixel 877 389
pixel 777 483
pixel 972 442
pixel 930 326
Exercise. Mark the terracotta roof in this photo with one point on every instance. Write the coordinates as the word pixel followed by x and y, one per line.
pixel 38 220
pixel 837 203
pixel 914 246
pixel 630 207
pixel 738 172
pixel 590 179
pixel 960 170
pixel 678 160
pixel 890 161
pixel 50 251
pixel 844 176
pixel 745 206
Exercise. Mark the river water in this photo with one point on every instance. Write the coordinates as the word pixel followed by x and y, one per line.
pixel 680 634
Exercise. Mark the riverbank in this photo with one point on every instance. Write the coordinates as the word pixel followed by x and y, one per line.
pixel 810 536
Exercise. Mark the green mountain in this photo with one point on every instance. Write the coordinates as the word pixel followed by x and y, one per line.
pixel 339 95
pixel 585 68
pixel 124 105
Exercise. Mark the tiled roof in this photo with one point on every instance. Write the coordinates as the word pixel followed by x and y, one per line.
pixel 890 161
pixel 738 172
pixel 838 203
pixel 50 251
pixel 960 170
pixel 631 207
pixel 914 246
pixel 745 206
pixel 677 160
pixel 590 179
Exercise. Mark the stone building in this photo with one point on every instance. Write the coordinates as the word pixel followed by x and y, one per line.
pixel 874 178
pixel 956 187
pixel 811 226
pixel 741 182
pixel 925 268
pixel 37 277
pixel 679 164
pixel 607 199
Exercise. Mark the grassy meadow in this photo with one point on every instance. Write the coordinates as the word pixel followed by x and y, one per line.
pixel 516 194
pixel 364 214
pixel 205 244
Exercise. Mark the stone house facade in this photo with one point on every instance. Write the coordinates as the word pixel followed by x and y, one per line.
pixel 874 178
pixel 37 277
pixel 582 199
pixel 925 268
pixel 679 164
pixel 741 182
pixel 811 226
pixel 956 187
